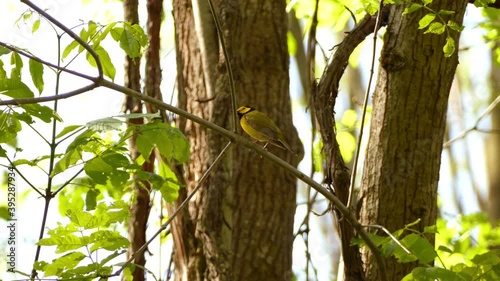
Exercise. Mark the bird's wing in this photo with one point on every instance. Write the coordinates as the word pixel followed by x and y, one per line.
pixel 263 124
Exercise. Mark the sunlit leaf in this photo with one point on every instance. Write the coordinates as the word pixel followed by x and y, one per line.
pixel 107 65
pixel 412 8
pixel 436 28
pixel 14 88
pixel 449 47
pixel 426 20
pixel 36 71
pixel 35 26
pixel 17 62
pixel 68 130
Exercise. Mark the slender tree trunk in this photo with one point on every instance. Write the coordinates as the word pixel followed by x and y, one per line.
pixel 240 225
pixel 492 149
pixel 139 210
pixel 401 169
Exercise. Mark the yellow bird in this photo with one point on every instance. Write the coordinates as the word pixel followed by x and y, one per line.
pixel 260 127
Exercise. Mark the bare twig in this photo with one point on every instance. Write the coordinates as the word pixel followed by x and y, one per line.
pixel 484 114
pixel 228 65
pixel 390 235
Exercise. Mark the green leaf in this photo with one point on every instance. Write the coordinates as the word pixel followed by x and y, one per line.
pixel 420 247
pixel 170 187
pixel 431 274
pixel 69 48
pixel 107 65
pixel 449 47
pixel 68 130
pixel 431 229
pixel 33 162
pixel 3 73
pixel 98 169
pixel 426 20
pixel 483 3
pixel 64 263
pixel 171 143
pixel 110 257
pixel 15 89
pixel 15 59
pixel 412 8
pixel 427 2
pixel 9 127
pixel 132 38
pixel 35 26
pixel 73 152
pixel 78 217
pixel 70 158
pixel 116 33
pixel 445 249
pixel 488 258
pixel 109 240
pixel 103 34
pixel 436 28
pixel 181 145
pixel 4 212
pixel 117 212
pixel 64 243
pixel 91 199
pixel 36 71
pixel 129 43
pixel 453 25
pixel 71 198
pixel 446 12
pixel 105 124
pixel 139 115
pixel 42 112
pixel 4 51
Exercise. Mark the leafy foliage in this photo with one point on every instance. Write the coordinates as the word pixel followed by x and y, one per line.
pixel 131 38
pixel 89 231
pixel 94 167
pixel 434 22
pixel 465 249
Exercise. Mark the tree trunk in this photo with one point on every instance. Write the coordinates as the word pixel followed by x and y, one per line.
pixel 492 150
pixel 140 208
pixel 401 170
pixel 240 225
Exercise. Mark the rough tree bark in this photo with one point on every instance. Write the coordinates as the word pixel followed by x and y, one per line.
pixel 240 225
pixel 401 169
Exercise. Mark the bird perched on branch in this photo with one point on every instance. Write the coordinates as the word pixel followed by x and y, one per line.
pixel 260 127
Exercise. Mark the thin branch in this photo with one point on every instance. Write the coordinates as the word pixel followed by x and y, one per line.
pixel 23 177
pixel 228 65
pixel 365 106
pixel 50 98
pixel 390 235
pixel 484 114
pixel 32 57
